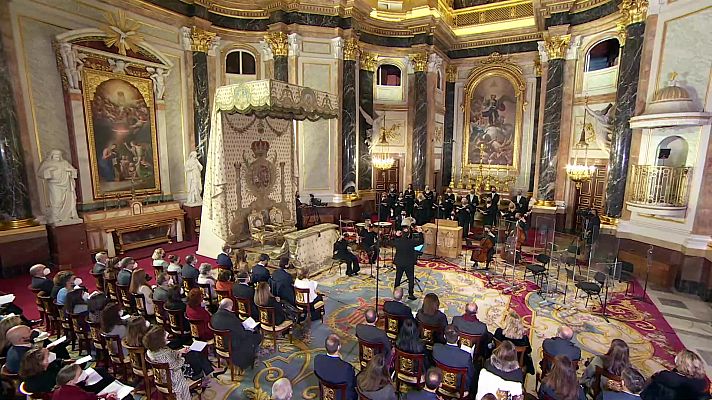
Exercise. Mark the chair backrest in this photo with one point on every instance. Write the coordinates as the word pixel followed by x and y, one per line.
pixel 223 294
pixel 366 350
pixel 275 216
pixel 410 366
pixel 207 291
pixel 266 316
pixel 453 381
pixel 137 355
pixel 600 371
pixel 392 324
pixel 331 391
pixel 521 352
pixel 195 326
pixel 48 306
pixel 255 221
pixel 244 307
pixel 140 301
pixel 175 321
pixel 12 379
pixel 301 296
pixel 114 347
pixel 161 377
pixel 95 334
pixel 160 312
pixel 472 341
pixel 189 283
pixel 99 278
pixel 429 333
pixel 112 288
pixel 33 396
pixel 223 342
pixel 126 298
pixel 174 276
pixel 79 325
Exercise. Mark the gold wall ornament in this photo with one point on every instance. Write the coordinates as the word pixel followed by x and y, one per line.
pixel 121 32
pixel 351 49
pixel 556 46
pixel 419 61
pixel 537 65
pixel 496 58
pixel 451 73
pixel 201 40
pixel 368 61
pixel 633 11
pixel 277 42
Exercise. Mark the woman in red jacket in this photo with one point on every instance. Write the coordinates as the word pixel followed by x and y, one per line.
pixel 196 311
pixel 67 379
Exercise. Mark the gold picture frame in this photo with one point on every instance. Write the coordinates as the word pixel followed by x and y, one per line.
pixel 499 69
pixel 120 116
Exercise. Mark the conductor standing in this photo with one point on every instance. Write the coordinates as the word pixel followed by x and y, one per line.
pixel 405 257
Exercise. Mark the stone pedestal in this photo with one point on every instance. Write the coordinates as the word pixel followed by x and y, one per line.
pixel 192 222
pixel 68 245
pixel 21 248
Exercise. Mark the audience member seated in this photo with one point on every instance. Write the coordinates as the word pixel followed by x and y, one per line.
pixel 111 322
pixel 469 324
pixel 75 301
pixel 245 344
pixel 174 264
pixel 264 298
pixel 631 386
pixel 224 261
pixel 38 369
pixel 59 281
pixel 20 343
pixel 282 282
pixel 430 314
pixel 303 282
pixel 409 340
pixel 126 267
pixel 433 380
pixel 163 282
pixel 371 333
pixel 67 385
pixel 260 273
pixel 206 278
pixel 451 355
pixel 157 350
pixel 686 381
pixel 112 270
pixel 189 271
pixel 374 382
pixel 224 282
pixel 561 344
pixel 331 368
pixel 396 307
pixel 242 290
pixel 101 259
pixel 501 372
pixel 282 389
pixel 139 285
pixel 95 304
pixel 136 329
pixel 515 331
pixel 70 282
pixel 561 383
pixel 157 260
pixel 6 324
pixel 39 274
pixel 614 361
pixel 195 310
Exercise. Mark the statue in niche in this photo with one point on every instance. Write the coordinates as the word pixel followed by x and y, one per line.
pixel 59 175
pixel 193 180
pixel 158 76
pixel 602 125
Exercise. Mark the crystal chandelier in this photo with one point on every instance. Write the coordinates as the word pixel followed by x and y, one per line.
pixel 381 159
pixel 577 172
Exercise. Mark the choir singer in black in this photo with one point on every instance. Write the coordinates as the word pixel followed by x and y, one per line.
pixel 405 257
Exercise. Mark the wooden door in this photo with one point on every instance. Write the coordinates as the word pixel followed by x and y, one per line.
pixel 593 193
pixel 384 178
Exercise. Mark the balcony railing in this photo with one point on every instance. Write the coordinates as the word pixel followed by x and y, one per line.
pixel 657 186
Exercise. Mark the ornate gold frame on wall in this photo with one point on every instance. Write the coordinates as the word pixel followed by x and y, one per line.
pixel 90 81
pixel 494 66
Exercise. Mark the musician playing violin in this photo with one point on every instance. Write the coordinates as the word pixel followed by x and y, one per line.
pixel 485 253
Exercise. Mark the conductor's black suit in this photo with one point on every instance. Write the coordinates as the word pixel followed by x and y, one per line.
pixel 405 258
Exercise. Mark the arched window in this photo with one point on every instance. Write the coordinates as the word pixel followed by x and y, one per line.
pixel 240 62
pixel 388 75
pixel 672 152
pixel 603 55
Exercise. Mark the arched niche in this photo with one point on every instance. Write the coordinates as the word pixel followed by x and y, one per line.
pixel 389 82
pixel 672 152
pixel 240 64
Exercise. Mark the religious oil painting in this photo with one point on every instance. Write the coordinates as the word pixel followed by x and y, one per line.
pixel 494 107
pixel 121 130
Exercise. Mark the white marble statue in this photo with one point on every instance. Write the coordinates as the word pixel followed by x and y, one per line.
pixel 193 180
pixel 158 76
pixel 59 175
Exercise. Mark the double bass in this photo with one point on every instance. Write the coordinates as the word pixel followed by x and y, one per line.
pixel 480 254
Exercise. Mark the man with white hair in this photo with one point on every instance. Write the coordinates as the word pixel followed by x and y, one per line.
pixel 39 274
pixel 244 343
pixel 396 306
pixel 561 344
pixel 282 389
pixel 101 258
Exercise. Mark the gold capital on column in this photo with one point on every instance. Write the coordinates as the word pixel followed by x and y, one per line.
pixel 633 11
pixel 277 42
pixel 556 46
pixel 451 73
pixel 351 49
pixel 419 61
pixel 368 61
pixel 200 39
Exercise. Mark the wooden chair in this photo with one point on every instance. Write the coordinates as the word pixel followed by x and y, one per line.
pixel 454 382
pixel 472 341
pixel 175 276
pixel 118 360
pixel 12 380
pixel 65 323
pixel 139 300
pixel 126 299
pixel 392 325
pixel 98 342
pixel 195 326
pixel 521 353
pixel 160 314
pixel 176 322
pixel 112 289
pixel 39 304
pixel 207 291
pixel 244 308
pixel 162 380
pixel 366 351
pixel 223 294
pixel 596 388
pixel 331 391
pixel 303 304
pixel 99 278
pixel 80 328
pixel 188 283
pixel 430 334
pixel 137 355
pixel 268 327
pixel 409 369
pixel 51 323
pixel 223 348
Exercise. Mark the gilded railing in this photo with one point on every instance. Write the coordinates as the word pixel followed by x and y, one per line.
pixel 653 185
pixel 491 13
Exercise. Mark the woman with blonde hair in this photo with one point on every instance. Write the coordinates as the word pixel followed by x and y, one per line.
pixel 686 381
pixel 614 362
pixel 501 372
pixel 158 262
pixel 515 331
pixel 139 285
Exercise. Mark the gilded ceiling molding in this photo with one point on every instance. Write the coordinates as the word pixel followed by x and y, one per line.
pixel 556 47
pixel 368 61
pixel 278 43
pixel 451 73
pixel 351 49
pixel 419 61
pixel 200 40
pixel 633 11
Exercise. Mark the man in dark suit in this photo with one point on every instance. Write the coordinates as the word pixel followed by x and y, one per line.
pixel 521 202
pixel 396 306
pixel 260 273
pixel 468 323
pixel 342 252
pixel 331 368
pixel 224 261
pixel 189 270
pixel 101 258
pixel 244 343
pixel 371 333
pixel 39 274
pixel 127 265
pixel 433 379
pixel 561 344
pixel 494 195
pixel 452 355
pixel 282 283
pixel 405 257
pixel 242 290
pixel 632 385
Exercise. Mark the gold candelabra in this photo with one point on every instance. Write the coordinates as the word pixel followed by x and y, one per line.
pixel 484 176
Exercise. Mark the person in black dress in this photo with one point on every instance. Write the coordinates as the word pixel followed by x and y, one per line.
pixel 428 203
pixel 342 252
pixel 419 211
pixel 440 209
pixel 489 212
pixel 464 217
pixel 449 199
pixel 369 241
pixel 392 195
pixel 398 206
pixel 300 213
pixel 384 208
pixel 409 199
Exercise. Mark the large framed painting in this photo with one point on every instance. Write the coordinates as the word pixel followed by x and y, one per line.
pixel 121 132
pixel 494 108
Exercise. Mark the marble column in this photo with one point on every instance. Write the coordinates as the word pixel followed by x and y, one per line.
pixel 367 67
pixel 535 136
pixel 279 45
pixel 420 124
pixel 628 72
pixel 555 50
pixel 450 77
pixel 14 191
pixel 348 117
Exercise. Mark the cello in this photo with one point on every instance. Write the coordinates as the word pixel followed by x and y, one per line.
pixel 481 254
